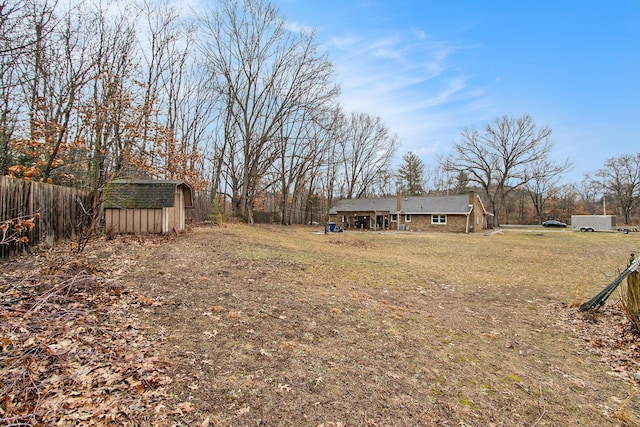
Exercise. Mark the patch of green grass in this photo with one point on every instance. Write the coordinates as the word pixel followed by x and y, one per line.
pixel 435 389
pixel 467 402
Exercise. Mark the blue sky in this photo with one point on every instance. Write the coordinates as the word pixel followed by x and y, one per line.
pixel 430 68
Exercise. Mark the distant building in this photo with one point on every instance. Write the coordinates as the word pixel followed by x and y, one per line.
pixel 463 213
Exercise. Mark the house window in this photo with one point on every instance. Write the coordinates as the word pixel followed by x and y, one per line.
pixel 438 219
pixel 394 217
pixel 407 218
pixel 344 218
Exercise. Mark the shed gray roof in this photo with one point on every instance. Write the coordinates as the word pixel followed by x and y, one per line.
pixel 144 193
pixel 458 204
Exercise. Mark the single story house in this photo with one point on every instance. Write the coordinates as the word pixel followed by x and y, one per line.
pixel 463 213
pixel 146 206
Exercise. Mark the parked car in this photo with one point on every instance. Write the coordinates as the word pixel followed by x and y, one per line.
pixel 554 223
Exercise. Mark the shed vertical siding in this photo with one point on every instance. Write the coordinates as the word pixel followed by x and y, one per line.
pixel 129 219
pixel 157 220
pixel 166 213
pixel 144 221
pixel 109 225
pixel 133 220
pixel 179 207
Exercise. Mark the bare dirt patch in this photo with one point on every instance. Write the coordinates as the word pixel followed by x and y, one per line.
pixel 283 326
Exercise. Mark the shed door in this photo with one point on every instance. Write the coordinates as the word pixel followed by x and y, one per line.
pixel 178 206
pixel 175 215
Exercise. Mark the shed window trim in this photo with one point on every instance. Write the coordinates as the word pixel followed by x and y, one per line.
pixel 394 217
pixel 407 218
pixel 439 219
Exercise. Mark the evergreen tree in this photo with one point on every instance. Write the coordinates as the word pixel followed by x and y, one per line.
pixel 462 183
pixel 411 174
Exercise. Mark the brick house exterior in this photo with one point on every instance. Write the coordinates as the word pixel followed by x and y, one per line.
pixel 464 213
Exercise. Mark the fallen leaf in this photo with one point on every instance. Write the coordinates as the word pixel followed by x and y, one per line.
pixel 284 387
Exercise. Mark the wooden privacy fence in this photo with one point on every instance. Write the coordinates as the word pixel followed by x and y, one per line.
pixel 62 211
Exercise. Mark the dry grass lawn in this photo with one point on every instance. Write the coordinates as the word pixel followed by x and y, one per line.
pixel 284 326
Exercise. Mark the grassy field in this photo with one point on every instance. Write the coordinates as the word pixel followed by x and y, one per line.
pixel 285 326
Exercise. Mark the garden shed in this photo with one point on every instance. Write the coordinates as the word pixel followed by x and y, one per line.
pixel 146 206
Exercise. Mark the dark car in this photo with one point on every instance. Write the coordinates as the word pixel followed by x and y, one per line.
pixel 553 223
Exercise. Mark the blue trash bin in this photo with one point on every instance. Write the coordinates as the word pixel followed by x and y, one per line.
pixel 332 226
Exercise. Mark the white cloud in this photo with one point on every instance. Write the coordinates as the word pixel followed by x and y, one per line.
pixel 422 35
pixel 342 43
pixel 427 150
pixel 296 27
pixel 412 81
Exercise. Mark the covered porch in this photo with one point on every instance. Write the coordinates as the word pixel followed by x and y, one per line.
pixel 364 220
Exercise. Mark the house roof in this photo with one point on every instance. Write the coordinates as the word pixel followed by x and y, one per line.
pixel 380 204
pixel 145 193
pixel 458 204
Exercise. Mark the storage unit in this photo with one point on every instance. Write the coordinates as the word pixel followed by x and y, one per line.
pixel 146 206
pixel 593 222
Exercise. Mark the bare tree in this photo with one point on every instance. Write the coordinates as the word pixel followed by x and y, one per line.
pixel 367 149
pixel 385 183
pixel 587 192
pixel 329 168
pixel 69 73
pixel 308 188
pixel 16 40
pixel 263 73
pixel 442 181
pixel 497 158
pixel 225 156
pixel 194 115
pixel 110 107
pixel 94 90
pixel 302 145
pixel 622 179
pixel 568 200
pixel 24 28
pixel 166 88
pixel 541 178
pixel 297 151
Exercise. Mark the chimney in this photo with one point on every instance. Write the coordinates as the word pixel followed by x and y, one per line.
pixel 472 198
pixel 399 200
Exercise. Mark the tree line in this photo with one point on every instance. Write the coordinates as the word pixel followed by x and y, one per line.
pixel 236 102
pixel 228 98
pixel 510 163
